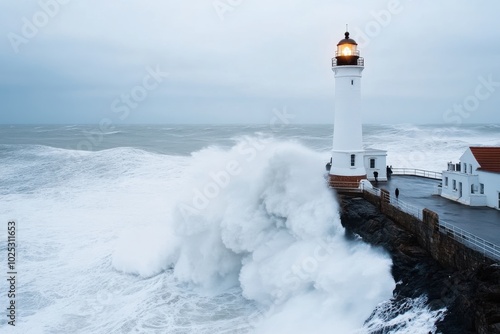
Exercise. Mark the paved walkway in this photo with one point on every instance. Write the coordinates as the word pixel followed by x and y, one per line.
pixel 417 191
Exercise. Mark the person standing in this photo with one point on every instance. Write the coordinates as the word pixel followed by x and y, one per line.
pixel 397 193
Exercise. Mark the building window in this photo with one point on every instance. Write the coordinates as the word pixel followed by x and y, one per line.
pixel 454 184
pixel 352 82
pixel 470 169
pixel 471 188
pixel 499 200
pixel 372 163
pixel 446 181
pixel 353 160
pixel 465 168
pixel 481 188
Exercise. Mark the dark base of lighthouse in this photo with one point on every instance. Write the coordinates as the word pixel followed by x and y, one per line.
pixel 346 182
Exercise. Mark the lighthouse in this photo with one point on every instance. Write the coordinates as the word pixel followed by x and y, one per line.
pixel 348 161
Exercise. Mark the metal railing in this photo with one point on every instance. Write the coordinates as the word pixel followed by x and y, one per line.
pixel 397 203
pixel 417 172
pixel 408 208
pixel 468 239
pixel 373 191
pixel 487 248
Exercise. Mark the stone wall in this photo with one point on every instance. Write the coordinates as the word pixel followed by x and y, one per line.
pixel 441 246
pixel 372 198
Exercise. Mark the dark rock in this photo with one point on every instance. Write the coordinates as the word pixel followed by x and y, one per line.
pixel 471 296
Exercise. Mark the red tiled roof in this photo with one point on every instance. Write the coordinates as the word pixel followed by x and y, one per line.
pixel 488 158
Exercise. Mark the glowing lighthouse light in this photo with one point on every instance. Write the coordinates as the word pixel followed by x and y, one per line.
pixel 347 47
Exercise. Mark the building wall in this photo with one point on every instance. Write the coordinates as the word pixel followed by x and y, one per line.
pixel 491 183
pixel 341 163
pixel 348 132
pixel 380 165
pixel 468 159
pixel 449 192
pixel 347 127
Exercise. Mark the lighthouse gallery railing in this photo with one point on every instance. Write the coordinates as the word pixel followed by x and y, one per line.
pixel 361 62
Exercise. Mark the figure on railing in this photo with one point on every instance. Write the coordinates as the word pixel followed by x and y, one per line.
pixel 389 171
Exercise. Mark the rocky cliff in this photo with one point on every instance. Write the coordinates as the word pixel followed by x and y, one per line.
pixel 471 295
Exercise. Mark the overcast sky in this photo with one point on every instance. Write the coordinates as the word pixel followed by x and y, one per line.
pixel 235 61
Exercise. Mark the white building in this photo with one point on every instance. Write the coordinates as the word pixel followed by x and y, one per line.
pixel 376 161
pixel 350 162
pixel 475 180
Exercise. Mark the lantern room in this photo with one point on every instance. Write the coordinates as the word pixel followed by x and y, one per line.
pixel 347 53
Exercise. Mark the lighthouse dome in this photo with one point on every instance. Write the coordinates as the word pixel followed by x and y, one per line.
pixel 347 53
pixel 347 40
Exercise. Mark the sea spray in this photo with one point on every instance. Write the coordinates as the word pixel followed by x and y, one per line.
pixel 274 231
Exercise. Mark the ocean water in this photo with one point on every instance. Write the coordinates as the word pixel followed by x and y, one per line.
pixel 200 229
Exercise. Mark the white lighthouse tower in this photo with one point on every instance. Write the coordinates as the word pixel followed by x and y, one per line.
pixel 347 164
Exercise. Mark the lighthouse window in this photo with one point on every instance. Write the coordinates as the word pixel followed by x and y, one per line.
pixel 481 188
pixel 372 163
pixel 353 160
pixel 352 82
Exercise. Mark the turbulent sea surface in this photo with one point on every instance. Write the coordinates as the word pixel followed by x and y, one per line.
pixel 200 229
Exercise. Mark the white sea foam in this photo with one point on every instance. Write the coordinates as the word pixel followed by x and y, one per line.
pixel 274 231
pixel 409 316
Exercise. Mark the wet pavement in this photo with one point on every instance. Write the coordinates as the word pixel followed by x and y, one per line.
pixel 417 191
